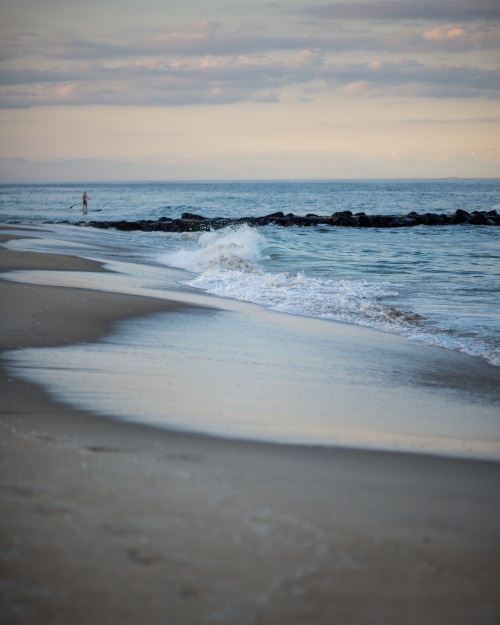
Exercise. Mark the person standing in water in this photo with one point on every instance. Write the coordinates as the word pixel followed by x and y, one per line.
pixel 84 202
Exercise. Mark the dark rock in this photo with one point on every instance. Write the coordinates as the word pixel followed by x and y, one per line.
pixel 479 218
pixel 274 218
pixel 197 223
pixel 307 221
pixel 342 214
pixel 362 221
pixel 249 221
pixel 347 221
pixel 460 217
pixel 127 225
pixel 146 225
pixel 378 221
pixel 192 216
pixel 163 226
pixel 432 219
pixel 401 221
pixel 343 218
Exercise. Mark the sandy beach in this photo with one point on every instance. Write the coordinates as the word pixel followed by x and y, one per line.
pixel 110 522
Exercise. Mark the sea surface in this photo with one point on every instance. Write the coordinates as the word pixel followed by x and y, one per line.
pixel 271 361
pixel 432 284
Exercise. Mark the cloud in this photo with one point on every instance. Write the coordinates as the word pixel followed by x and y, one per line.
pixel 411 78
pixel 445 37
pixel 194 39
pixel 224 79
pixel 205 62
pixel 208 79
pixel 74 49
pixel 211 38
pixel 389 10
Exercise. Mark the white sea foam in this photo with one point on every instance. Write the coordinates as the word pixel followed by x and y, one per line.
pixel 229 263
pixel 230 249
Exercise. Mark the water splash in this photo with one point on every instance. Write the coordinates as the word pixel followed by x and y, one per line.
pixel 230 249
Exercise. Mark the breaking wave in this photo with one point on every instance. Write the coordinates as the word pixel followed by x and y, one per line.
pixel 229 263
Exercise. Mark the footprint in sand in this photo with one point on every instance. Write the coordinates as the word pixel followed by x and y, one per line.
pixel 101 449
pixel 52 510
pixel 121 531
pixel 144 556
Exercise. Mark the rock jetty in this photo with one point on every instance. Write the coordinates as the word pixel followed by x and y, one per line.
pixel 190 222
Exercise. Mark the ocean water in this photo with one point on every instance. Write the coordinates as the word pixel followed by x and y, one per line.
pixel 437 285
pixel 267 359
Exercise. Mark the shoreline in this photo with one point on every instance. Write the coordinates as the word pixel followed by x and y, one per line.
pixel 103 520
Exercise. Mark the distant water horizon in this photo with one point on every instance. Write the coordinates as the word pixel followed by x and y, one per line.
pixel 87 181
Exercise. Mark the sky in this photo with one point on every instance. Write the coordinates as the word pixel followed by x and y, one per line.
pixel 248 90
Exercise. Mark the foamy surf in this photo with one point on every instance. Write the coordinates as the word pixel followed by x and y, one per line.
pixel 229 263
pixel 230 249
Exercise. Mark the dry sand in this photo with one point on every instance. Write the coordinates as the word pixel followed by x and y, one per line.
pixel 108 522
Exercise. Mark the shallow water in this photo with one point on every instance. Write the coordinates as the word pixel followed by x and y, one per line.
pixel 261 376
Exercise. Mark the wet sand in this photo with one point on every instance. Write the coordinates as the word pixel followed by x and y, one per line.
pixel 105 521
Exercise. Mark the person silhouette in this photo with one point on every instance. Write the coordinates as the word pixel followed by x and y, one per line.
pixel 84 202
